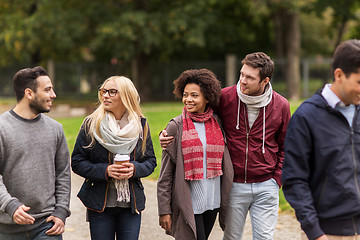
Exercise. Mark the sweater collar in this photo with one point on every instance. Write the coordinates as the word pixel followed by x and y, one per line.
pixel 24 119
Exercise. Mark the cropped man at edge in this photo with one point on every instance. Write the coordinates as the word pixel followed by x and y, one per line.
pixel 322 154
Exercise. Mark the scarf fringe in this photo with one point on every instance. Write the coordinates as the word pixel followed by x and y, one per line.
pixel 123 191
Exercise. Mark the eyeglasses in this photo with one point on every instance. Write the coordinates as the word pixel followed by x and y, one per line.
pixel 111 92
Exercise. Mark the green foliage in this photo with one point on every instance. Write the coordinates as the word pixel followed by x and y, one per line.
pixel 312 27
pixel 342 13
pixel 31 31
pixel 71 30
pixel 71 128
pixel 151 28
pixel 340 9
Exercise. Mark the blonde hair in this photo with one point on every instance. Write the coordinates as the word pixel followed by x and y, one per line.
pixel 131 100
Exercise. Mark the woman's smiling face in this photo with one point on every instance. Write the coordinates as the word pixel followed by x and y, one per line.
pixel 193 99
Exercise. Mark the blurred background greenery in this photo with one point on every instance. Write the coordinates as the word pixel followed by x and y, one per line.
pixel 81 43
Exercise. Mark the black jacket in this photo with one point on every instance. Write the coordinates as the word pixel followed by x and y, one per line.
pixel 321 170
pixel 91 163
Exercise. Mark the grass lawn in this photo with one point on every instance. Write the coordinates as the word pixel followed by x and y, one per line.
pixel 158 115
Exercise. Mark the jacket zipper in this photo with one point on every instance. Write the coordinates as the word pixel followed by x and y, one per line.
pixel 355 171
pixel 247 145
pixel 355 166
pixel 355 163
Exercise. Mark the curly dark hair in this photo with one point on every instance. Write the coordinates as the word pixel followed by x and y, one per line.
pixel 210 86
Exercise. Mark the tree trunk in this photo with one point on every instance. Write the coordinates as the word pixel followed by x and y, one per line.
pixel 279 33
pixel 141 76
pixel 292 55
pixel 280 48
pixel 287 37
pixel 341 30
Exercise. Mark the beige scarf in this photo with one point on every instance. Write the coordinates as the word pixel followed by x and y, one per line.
pixel 120 140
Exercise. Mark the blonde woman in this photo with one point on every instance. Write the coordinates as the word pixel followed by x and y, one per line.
pixel 113 193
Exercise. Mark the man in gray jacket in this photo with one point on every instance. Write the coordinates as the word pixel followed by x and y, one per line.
pixel 34 163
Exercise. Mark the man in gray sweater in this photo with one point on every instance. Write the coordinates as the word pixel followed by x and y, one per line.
pixel 34 163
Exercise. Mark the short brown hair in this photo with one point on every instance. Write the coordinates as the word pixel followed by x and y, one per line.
pixel 26 78
pixel 210 86
pixel 347 57
pixel 261 61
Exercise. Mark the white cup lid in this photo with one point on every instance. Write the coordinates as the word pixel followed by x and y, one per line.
pixel 122 157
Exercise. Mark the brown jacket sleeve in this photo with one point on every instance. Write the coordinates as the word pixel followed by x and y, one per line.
pixel 167 172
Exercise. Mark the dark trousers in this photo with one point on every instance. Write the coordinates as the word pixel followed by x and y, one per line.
pixel 114 221
pixel 204 223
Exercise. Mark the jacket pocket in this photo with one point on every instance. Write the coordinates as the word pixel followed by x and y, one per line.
pixel 269 157
pixel 92 194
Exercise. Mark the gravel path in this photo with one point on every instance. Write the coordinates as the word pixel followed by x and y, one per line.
pixel 287 227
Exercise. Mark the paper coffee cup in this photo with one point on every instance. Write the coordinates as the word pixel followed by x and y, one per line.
pixel 121 158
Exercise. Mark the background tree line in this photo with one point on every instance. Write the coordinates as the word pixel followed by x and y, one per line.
pixel 138 32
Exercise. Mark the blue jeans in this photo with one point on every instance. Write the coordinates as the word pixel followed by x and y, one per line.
pixel 261 200
pixel 114 221
pixel 35 234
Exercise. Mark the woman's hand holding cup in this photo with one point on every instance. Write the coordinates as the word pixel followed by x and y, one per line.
pixel 122 168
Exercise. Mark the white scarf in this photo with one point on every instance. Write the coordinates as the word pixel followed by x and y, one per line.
pixel 116 139
pixel 253 105
pixel 119 141
pixel 256 101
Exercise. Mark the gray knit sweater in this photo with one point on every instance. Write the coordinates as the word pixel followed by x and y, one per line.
pixel 34 170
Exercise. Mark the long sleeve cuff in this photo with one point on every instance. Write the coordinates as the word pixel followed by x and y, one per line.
pixel 61 213
pixel 314 231
pixel 12 206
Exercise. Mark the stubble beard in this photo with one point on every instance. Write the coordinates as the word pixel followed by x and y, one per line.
pixel 37 106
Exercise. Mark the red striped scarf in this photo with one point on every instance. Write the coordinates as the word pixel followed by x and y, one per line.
pixel 192 147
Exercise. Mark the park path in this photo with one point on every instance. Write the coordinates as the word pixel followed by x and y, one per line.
pixel 77 228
